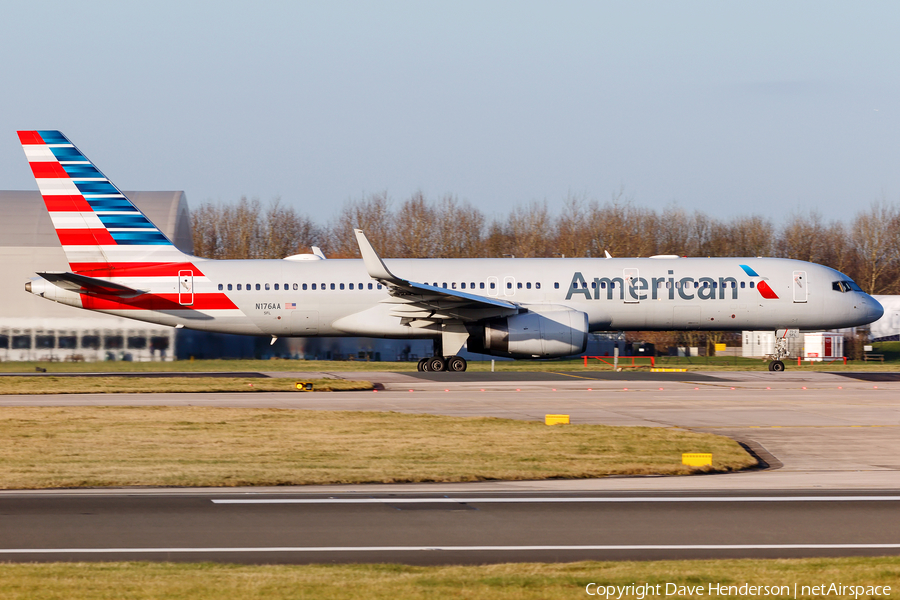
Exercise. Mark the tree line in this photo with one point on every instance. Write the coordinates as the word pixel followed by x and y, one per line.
pixel 865 246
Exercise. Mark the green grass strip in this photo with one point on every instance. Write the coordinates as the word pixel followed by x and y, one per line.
pixel 51 447
pixel 516 581
pixel 147 385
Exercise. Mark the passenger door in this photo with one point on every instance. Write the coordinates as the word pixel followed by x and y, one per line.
pixel 186 288
pixel 800 286
pixel 493 285
pixel 630 277
pixel 509 286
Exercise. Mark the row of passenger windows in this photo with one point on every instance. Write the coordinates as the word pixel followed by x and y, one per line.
pixel 360 286
pixel 296 286
pixel 490 285
pixel 462 285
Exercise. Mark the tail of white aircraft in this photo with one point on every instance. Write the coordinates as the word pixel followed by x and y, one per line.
pixel 102 233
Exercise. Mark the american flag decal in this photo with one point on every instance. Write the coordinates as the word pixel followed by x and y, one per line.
pixel 290 305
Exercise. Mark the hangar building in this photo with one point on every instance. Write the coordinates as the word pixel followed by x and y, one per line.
pixel 32 328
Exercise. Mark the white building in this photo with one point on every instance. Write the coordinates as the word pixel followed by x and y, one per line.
pixel 758 344
pixel 888 326
pixel 32 328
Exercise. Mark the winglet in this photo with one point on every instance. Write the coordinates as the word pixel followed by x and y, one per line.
pixel 374 265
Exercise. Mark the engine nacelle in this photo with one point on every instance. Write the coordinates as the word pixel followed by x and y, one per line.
pixel 552 334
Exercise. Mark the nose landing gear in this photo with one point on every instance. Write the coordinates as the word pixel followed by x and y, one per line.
pixel 781 349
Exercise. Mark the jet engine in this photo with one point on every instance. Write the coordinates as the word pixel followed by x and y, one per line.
pixel 550 334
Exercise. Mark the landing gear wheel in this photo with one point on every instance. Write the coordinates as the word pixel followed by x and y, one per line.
pixel 776 365
pixel 421 366
pixel 436 363
pixel 456 363
pixel 426 364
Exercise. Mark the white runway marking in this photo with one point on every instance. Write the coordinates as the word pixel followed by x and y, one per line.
pixel 451 548
pixel 550 500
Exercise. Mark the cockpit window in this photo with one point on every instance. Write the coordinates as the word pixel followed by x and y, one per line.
pixel 845 286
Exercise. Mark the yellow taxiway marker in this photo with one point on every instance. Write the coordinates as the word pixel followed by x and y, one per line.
pixel 661 370
pixel 556 419
pixel 696 459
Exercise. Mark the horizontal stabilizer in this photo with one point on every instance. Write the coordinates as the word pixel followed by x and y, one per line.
pixel 82 284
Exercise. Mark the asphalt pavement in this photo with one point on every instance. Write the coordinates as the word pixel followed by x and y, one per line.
pixel 416 528
pixel 825 437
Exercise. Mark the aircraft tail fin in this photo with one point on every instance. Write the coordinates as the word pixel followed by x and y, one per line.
pixel 97 225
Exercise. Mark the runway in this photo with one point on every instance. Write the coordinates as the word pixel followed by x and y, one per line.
pixel 823 434
pixel 440 529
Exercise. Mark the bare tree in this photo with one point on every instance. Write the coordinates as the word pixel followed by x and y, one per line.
pixel 417 233
pixel 373 216
pixel 674 232
pixel 875 237
pixel 750 236
pixel 803 237
pixel 460 229
pixel 530 229
pixel 572 234
pixel 286 232
pixel 205 230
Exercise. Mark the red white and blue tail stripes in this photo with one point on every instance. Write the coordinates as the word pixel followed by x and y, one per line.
pixel 95 222
pixel 106 238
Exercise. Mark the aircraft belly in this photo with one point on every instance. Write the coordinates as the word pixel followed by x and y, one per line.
pixel 630 316
pixel 378 321
pixel 191 320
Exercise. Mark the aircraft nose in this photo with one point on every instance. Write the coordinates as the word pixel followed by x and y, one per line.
pixel 876 310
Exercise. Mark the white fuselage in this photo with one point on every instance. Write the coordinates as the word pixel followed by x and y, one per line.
pixel 337 297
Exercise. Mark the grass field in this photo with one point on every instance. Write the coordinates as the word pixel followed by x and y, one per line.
pixel 190 446
pixel 139 385
pixel 517 581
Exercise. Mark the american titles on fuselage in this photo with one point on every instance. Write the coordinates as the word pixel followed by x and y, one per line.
pixel 660 288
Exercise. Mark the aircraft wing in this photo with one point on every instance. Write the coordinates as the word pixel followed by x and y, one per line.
pixel 82 284
pixel 428 302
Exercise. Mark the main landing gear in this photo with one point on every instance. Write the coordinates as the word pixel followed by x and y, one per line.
pixel 776 365
pixel 442 363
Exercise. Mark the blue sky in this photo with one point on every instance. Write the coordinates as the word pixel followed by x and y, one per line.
pixel 725 107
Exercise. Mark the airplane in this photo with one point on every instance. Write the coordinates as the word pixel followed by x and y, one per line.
pixel 122 264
